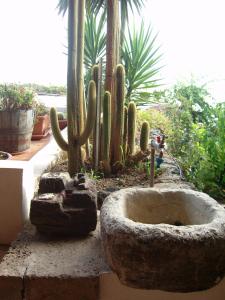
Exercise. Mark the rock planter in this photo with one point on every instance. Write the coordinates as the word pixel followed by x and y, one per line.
pixel 64 206
pixel 171 240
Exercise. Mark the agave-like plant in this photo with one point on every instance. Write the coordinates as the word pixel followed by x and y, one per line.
pixel 95 42
pixel 141 58
pixel 95 39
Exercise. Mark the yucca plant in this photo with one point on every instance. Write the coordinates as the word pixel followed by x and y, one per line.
pixel 95 39
pixel 95 42
pixel 141 58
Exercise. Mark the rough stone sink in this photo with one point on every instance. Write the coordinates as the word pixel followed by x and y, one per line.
pixel 172 240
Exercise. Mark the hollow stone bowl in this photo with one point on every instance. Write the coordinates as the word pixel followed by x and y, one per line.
pixel 172 240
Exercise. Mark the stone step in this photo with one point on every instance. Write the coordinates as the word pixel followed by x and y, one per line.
pixel 38 267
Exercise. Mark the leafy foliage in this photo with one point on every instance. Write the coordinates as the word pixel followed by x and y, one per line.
pixel 197 138
pixel 15 97
pixel 156 120
pixel 95 42
pixel 141 58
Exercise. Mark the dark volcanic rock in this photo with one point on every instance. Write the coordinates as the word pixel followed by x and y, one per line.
pixel 81 199
pixel 53 182
pixel 68 210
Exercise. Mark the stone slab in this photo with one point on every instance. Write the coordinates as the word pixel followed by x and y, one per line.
pixel 39 268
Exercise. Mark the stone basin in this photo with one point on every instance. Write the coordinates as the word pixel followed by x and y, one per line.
pixel 171 240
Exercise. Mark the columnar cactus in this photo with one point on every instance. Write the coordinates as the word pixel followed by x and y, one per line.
pixel 131 128
pixel 74 144
pixel 125 128
pixel 77 134
pixel 144 138
pixel 106 132
pixel 119 119
pixel 95 143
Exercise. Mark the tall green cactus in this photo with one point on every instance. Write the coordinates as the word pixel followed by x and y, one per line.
pixel 74 144
pixel 106 132
pixel 95 144
pixel 144 138
pixel 119 117
pixel 77 133
pixel 131 128
pixel 125 128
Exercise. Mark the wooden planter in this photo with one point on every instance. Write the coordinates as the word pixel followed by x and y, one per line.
pixel 41 127
pixel 16 130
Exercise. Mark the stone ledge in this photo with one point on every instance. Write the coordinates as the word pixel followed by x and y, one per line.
pixel 38 267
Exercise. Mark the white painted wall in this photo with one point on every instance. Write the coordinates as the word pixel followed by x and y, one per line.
pixel 16 191
pixel 112 289
pixel 17 186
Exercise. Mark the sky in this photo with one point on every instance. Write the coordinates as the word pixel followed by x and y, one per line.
pixel 190 32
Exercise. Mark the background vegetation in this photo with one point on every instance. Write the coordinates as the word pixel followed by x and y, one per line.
pixel 197 138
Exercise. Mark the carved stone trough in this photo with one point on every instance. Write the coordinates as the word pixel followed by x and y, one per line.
pixel 171 240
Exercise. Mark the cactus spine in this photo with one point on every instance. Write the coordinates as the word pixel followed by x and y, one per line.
pixel 119 116
pixel 144 136
pixel 75 95
pixel 106 132
pixel 131 128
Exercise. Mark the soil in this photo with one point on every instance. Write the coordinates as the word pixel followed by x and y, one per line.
pixel 169 174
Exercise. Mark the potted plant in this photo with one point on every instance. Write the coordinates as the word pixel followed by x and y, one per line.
pixel 62 120
pixel 42 122
pixel 16 117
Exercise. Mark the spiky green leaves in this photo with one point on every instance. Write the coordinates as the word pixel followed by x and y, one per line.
pixel 141 57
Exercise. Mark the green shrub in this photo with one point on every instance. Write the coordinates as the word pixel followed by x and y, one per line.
pixel 197 138
pixel 14 97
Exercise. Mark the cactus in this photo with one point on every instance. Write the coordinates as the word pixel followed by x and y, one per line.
pixel 77 136
pixel 119 119
pixel 144 136
pixel 106 132
pixel 95 136
pixel 74 144
pixel 125 128
pixel 60 116
pixel 131 128
pixel 95 72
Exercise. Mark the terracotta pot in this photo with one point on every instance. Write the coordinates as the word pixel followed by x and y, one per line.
pixel 41 127
pixel 62 124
